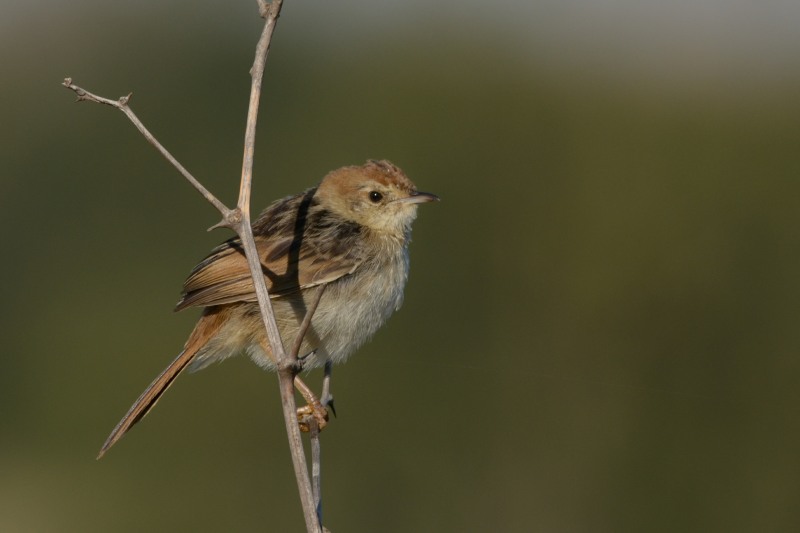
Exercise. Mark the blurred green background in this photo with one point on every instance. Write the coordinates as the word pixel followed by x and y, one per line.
pixel 600 329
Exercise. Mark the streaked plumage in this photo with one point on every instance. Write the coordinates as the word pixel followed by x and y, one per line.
pixel 349 234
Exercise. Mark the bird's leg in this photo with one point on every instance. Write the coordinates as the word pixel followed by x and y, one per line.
pixel 327 398
pixel 313 408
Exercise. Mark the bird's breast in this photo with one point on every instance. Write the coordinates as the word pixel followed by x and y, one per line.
pixel 353 307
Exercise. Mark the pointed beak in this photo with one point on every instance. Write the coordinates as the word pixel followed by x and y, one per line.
pixel 419 198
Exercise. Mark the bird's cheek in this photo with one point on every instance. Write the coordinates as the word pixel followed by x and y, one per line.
pixel 356 207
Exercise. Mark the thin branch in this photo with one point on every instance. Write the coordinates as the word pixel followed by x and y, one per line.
pixel 122 105
pixel 286 365
pixel 306 323
pixel 238 219
pixel 310 421
pixel 316 466
pixel 271 12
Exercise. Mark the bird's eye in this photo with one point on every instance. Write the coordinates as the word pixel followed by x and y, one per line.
pixel 375 197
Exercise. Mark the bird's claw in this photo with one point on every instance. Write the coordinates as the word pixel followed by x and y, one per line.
pixel 316 412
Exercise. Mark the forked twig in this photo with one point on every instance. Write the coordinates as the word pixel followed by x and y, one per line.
pixel 122 105
pixel 310 421
pixel 238 220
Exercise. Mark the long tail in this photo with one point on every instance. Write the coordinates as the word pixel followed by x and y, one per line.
pixel 206 328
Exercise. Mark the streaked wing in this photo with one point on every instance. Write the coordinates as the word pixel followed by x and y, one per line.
pixel 224 276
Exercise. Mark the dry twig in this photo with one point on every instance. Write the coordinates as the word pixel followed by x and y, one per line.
pixel 238 219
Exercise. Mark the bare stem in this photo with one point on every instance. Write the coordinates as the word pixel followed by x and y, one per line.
pixel 270 12
pixel 310 421
pixel 122 105
pixel 316 466
pixel 286 364
pixel 238 219
pixel 301 333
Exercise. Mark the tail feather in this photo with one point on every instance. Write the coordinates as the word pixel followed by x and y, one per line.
pixel 205 329
pixel 147 400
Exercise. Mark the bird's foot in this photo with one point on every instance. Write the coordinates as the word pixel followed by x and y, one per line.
pixel 313 412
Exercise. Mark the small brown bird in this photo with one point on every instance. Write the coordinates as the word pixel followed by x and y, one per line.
pixel 347 237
